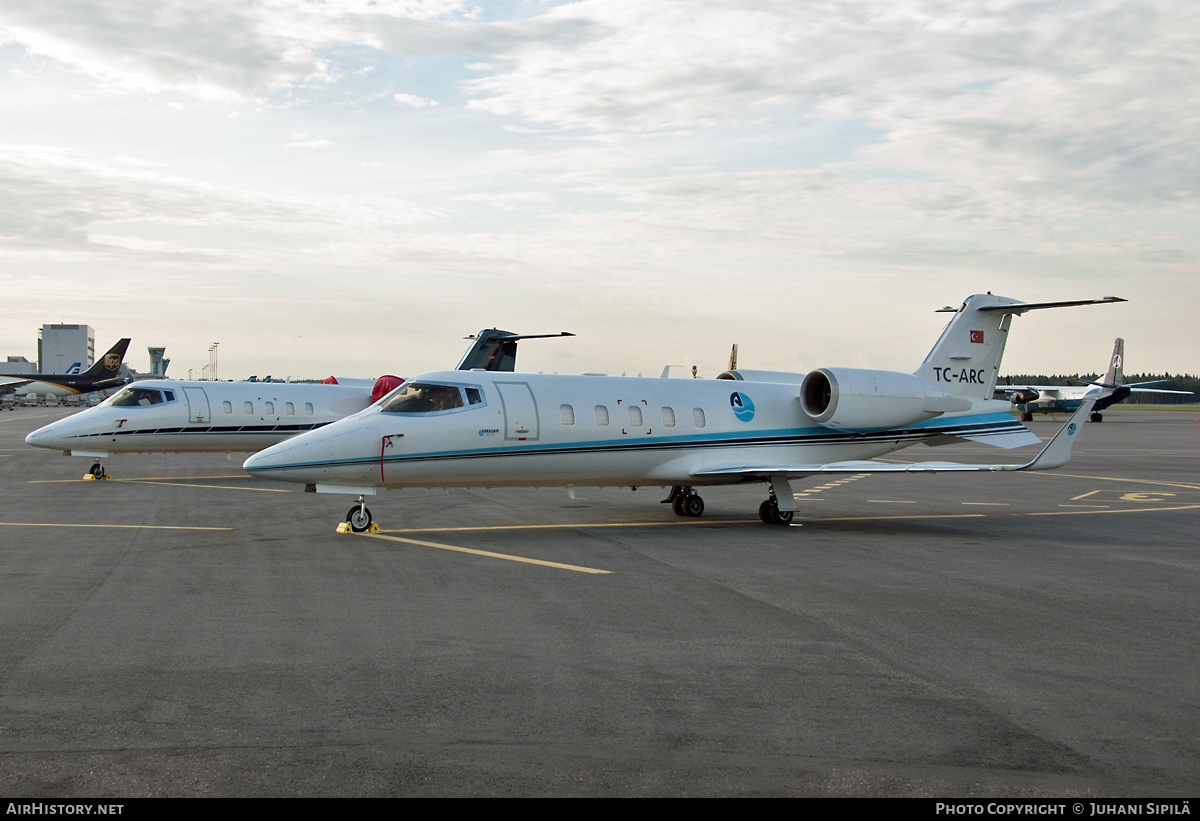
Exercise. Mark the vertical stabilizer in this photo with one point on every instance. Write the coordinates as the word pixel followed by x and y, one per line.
pixel 966 359
pixel 1115 376
pixel 108 365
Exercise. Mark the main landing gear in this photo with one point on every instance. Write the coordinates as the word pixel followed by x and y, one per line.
pixel 358 517
pixel 770 513
pixel 685 501
pixel 1096 416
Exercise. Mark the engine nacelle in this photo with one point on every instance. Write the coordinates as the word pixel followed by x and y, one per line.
pixel 856 398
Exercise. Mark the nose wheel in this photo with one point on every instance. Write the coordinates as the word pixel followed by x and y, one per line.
pixel 97 471
pixel 358 517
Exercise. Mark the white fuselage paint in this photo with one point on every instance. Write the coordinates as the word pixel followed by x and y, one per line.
pixel 546 430
pixel 202 416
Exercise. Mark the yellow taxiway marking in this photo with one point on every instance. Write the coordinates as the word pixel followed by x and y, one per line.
pixel 912 516
pixel 891 501
pixel 196 482
pixel 571 525
pixel 245 476
pixel 1084 495
pixel 1126 510
pixel 986 515
pixel 117 527
pixel 815 520
pixel 490 555
pixel 1183 485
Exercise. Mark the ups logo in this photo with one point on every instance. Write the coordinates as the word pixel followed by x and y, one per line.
pixel 111 361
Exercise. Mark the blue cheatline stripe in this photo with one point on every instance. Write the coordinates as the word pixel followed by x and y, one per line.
pixel 991 424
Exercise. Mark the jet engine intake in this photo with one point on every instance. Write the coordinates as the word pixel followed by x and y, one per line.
pixel 857 398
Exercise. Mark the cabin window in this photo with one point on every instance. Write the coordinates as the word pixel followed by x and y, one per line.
pixel 227 406
pixel 602 416
pixel 422 397
pixel 698 416
pixel 308 409
pixel 249 406
pixel 568 415
pixel 137 397
pixel 270 408
pixel 474 397
pixel 635 416
pixel 668 417
pixel 289 408
pixel 170 395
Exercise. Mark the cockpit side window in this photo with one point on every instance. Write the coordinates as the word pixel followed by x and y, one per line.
pixel 132 397
pixel 424 397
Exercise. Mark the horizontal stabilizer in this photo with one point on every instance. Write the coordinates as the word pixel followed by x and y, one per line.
pixel 1022 307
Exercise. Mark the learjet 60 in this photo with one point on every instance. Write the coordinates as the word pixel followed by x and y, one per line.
pixel 479 429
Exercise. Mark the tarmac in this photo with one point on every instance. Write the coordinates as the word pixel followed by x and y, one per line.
pixel 184 630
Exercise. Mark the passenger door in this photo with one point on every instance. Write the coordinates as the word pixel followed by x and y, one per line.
pixel 520 412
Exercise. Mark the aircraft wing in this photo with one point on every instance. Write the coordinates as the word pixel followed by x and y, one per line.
pixel 16 383
pixel 1055 454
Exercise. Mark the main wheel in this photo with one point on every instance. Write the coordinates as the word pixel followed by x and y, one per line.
pixel 97 470
pixel 1026 417
pixel 764 511
pixel 679 505
pixel 1097 416
pixel 359 518
pixel 770 513
pixel 694 506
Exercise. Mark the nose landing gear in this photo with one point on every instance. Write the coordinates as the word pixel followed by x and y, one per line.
pixel 96 472
pixel 359 518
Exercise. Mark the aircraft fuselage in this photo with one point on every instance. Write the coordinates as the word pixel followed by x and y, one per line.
pixel 166 415
pixel 511 429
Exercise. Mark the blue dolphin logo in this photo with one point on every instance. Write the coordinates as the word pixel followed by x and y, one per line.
pixel 743 408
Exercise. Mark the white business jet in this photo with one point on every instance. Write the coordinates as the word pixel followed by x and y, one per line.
pixel 474 429
pixel 171 416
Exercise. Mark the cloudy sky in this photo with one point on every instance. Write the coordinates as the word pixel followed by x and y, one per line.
pixel 351 186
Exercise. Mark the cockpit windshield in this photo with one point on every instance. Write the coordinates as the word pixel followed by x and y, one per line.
pixel 133 397
pixel 422 397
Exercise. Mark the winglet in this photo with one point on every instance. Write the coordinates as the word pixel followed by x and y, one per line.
pixel 1058 451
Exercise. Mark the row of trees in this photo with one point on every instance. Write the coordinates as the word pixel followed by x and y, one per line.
pixel 1180 382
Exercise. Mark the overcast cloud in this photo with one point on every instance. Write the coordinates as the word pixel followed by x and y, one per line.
pixel 353 186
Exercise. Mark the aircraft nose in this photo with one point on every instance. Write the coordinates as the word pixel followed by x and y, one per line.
pixel 272 459
pixel 259 461
pixel 42 437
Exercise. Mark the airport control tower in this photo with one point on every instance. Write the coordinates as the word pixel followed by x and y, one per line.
pixel 158 365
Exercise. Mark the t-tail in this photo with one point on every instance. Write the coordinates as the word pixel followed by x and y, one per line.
pixel 966 359
pixel 496 350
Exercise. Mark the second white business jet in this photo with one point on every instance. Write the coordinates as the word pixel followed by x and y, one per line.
pixel 171 416
pixel 458 429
